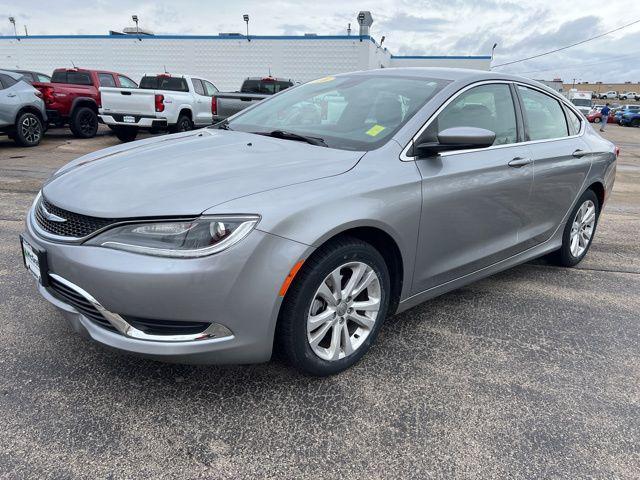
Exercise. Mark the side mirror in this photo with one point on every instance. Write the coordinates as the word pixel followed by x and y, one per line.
pixel 456 138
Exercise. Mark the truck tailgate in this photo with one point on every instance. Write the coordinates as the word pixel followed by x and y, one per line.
pixel 128 100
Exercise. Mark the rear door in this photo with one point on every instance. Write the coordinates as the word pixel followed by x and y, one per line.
pixel 561 160
pixel 202 103
pixel 9 100
pixel 474 201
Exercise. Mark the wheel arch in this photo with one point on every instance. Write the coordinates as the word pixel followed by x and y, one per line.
pixel 29 109
pixel 599 190
pixel 185 111
pixel 83 102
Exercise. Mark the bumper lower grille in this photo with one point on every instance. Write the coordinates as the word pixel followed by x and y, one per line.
pixel 60 222
pixel 146 325
pixel 77 301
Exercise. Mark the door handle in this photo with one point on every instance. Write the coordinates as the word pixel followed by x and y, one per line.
pixel 579 153
pixel 520 162
pixel 11 95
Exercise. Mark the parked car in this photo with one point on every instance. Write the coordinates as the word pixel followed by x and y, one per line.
pixel 630 119
pixel 73 98
pixel 253 90
pixel 610 95
pixel 211 246
pixel 630 95
pixel 596 117
pixel 626 109
pixel 174 102
pixel 31 77
pixel 22 112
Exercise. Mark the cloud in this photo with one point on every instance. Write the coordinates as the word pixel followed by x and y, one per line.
pixel 296 29
pixel 409 23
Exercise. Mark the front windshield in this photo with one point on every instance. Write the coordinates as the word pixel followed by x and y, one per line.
pixel 581 102
pixel 351 112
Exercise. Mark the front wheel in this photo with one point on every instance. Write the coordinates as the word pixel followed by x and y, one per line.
pixel 333 311
pixel 579 230
pixel 596 120
pixel 635 122
pixel 29 130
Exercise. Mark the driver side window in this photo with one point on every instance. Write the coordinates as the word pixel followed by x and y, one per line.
pixel 486 106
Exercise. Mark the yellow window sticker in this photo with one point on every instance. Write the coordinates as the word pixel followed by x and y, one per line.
pixel 323 80
pixel 375 130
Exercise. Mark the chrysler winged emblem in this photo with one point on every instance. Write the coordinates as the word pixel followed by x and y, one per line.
pixel 50 216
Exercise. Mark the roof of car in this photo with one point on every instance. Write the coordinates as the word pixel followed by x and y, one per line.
pixel 12 74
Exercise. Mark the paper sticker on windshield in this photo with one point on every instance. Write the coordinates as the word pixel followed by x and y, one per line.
pixel 375 130
pixel 323 80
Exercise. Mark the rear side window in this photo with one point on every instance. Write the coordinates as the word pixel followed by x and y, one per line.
pixel 43 78
pixel 543 115
pixel 573 120
pixel 6 81
pixel 106 80
pixel 268 87
pixel 487 106
pixel 209 88
pixel 74 78
pixel 161 82
pixel 126 82
pixel 197 86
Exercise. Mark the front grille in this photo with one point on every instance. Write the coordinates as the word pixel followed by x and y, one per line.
pixel 74 226
pixel 77 301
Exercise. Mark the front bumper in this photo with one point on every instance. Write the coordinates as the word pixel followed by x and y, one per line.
pixel 237 289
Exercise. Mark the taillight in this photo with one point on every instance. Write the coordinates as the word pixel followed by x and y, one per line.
pixel 159 103
pixel 214 106
pixel 38 93
pixel 47 94
pixel 617 152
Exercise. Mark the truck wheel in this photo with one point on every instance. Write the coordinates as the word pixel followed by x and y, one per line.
pixel 184 124
pixel 596 120
pixel 84 123
pixel 28 130
pixel 126 134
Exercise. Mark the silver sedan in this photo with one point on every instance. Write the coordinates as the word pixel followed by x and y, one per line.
pixel 304 221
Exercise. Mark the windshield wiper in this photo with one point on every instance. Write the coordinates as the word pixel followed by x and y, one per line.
pixel 294 136
pixel 223 125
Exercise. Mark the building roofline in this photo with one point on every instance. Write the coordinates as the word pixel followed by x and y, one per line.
pixel 444 57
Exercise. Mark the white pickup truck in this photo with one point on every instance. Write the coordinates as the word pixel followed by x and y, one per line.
pixel 175 103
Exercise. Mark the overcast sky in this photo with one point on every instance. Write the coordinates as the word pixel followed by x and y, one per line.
pixel 418 27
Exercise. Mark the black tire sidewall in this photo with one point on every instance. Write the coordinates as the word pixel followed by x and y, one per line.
pixel 183 120
pixel 18 138
pixel 566 258
pixel 75 123
pixel 126 134
pixel 298 302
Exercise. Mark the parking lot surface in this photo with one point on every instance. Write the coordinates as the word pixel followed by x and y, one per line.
pixel 532 373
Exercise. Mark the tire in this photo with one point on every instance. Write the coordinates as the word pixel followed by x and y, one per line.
pixel 346 256
pixel 635 122
pixel 566 256
pixel 126 134
pixel 29 130
pixel 184 124
pixel 596 120
pixel 84 123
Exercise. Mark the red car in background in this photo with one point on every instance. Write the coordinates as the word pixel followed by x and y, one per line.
pixel 596 117
pixel 72 97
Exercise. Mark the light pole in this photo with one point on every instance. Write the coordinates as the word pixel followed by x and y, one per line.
pixel 12 21
pixel 245 17
pixel 135 20
pixel 361 22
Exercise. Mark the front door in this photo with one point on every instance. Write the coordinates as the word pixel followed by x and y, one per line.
pixel 474 202
pixel 202 104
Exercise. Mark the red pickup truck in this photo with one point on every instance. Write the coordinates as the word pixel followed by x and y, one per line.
pixel 72 97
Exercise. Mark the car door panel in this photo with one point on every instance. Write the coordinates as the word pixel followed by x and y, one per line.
pixel 473 206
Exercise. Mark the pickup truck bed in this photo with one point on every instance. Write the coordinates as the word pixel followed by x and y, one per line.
pixel 253 90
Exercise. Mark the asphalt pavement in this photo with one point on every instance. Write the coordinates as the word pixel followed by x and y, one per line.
pixel 531 373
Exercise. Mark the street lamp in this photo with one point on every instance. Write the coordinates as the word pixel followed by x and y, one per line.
pixel 12 21
pixel 245 17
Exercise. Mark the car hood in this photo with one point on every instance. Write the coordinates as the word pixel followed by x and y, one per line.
pixel 185 174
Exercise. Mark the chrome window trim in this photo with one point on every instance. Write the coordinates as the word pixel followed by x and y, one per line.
pixel 214 330
pixel 406 158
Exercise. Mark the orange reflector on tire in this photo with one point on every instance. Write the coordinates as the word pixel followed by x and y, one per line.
pixel 289 279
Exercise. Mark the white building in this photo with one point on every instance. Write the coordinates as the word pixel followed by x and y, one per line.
pixel 224 59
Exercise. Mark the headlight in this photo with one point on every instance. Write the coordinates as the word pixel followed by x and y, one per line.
pixel 182 239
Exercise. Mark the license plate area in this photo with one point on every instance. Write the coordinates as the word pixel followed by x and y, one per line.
pixel 129 119
pixel 35 261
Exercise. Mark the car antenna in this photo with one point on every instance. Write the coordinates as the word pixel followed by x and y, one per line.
pixel 74 65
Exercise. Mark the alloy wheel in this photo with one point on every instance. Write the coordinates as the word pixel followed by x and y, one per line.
pixel 582 228
pixel 30 129
pixel 87 122
pixel 343 311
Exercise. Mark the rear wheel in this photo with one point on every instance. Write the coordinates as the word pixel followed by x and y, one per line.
pixel 126 134
pixel 334 309
pixel 84 123
pixel 579 231
pixel 29 130
pixel 184 124
pixel 635 122
pixel 596 120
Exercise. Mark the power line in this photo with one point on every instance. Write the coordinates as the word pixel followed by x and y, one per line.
pixel 568 46
pixel 573 65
